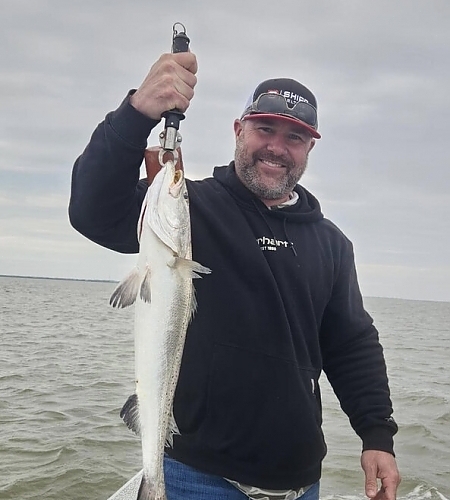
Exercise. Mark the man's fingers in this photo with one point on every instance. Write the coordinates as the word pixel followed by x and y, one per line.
pixel 169 84
pixel 380 465
pixel 187 60
pixel 371 473
pixel 389 485
pixel 371 485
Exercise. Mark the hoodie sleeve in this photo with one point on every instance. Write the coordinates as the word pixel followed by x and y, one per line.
pixel 354 362
pixel 106 194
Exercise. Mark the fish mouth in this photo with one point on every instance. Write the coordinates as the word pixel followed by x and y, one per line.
pixel 176 187
pixel 178 176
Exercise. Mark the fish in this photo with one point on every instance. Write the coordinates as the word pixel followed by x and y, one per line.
pixel 162 290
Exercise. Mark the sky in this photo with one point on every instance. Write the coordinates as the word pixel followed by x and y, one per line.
pixel 380 72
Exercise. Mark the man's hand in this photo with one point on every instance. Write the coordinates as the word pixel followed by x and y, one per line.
pixel 380 465
pixel 169 84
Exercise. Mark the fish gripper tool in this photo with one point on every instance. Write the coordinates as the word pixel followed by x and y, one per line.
pixel 170 137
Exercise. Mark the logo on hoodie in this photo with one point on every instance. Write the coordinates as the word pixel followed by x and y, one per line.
pixel 271 244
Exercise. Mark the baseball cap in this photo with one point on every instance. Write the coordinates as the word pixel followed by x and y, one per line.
pixel 286 99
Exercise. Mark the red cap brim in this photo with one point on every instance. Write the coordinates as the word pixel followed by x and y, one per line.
pixel 310 129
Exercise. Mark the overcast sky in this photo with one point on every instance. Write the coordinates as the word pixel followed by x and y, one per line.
pixel 380 71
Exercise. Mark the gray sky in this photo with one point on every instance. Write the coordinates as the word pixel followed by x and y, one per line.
pixel 380 71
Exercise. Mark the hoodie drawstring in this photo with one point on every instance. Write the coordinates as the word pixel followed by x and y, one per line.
pixel 261 213
pixel 291 244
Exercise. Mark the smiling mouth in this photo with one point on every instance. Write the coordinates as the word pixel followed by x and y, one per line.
pixel 272 164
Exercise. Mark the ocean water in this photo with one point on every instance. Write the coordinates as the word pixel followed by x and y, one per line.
pixel 66 368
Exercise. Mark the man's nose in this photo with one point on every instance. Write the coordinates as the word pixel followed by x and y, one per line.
pixel 277 144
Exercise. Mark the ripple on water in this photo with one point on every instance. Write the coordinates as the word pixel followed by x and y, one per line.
pixel 67 368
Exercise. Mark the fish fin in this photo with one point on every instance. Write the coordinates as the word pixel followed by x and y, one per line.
pixel 198 268
pixel 194 267
pixel 126 291
pixel 193 305
pixel 130 414
pixel 145 292
pixel 172 430
pixel 147 491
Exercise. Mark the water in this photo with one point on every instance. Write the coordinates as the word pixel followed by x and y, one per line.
pixel 66 368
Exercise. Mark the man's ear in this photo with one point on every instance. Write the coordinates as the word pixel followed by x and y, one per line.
pixel 238 127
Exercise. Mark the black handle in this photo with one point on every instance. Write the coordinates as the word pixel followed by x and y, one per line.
pixel 180 43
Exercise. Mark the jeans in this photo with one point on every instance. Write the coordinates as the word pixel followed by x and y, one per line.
pixel 185 483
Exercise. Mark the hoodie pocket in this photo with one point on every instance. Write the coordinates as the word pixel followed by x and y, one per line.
pixel 263 409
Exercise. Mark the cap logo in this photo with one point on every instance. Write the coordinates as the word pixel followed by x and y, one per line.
pixel 291 97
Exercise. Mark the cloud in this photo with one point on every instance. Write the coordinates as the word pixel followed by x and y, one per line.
pixel 378 69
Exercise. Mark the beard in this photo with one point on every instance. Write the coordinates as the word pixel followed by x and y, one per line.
pixel 262 187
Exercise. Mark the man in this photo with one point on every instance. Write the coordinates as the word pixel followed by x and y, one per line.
pixel 281 304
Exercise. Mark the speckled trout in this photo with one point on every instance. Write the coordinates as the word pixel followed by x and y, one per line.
pixel 162 290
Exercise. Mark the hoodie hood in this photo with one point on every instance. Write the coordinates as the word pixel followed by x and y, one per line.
pixel 307 208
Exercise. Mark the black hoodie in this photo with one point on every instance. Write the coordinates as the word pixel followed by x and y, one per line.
pixel 282 304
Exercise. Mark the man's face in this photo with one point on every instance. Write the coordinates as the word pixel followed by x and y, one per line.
pixel 271 156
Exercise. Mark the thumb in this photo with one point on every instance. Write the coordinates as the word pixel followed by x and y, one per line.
pixel 371 482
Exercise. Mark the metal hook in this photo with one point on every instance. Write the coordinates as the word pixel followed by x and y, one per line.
pixel 161 154
pixel 175 32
